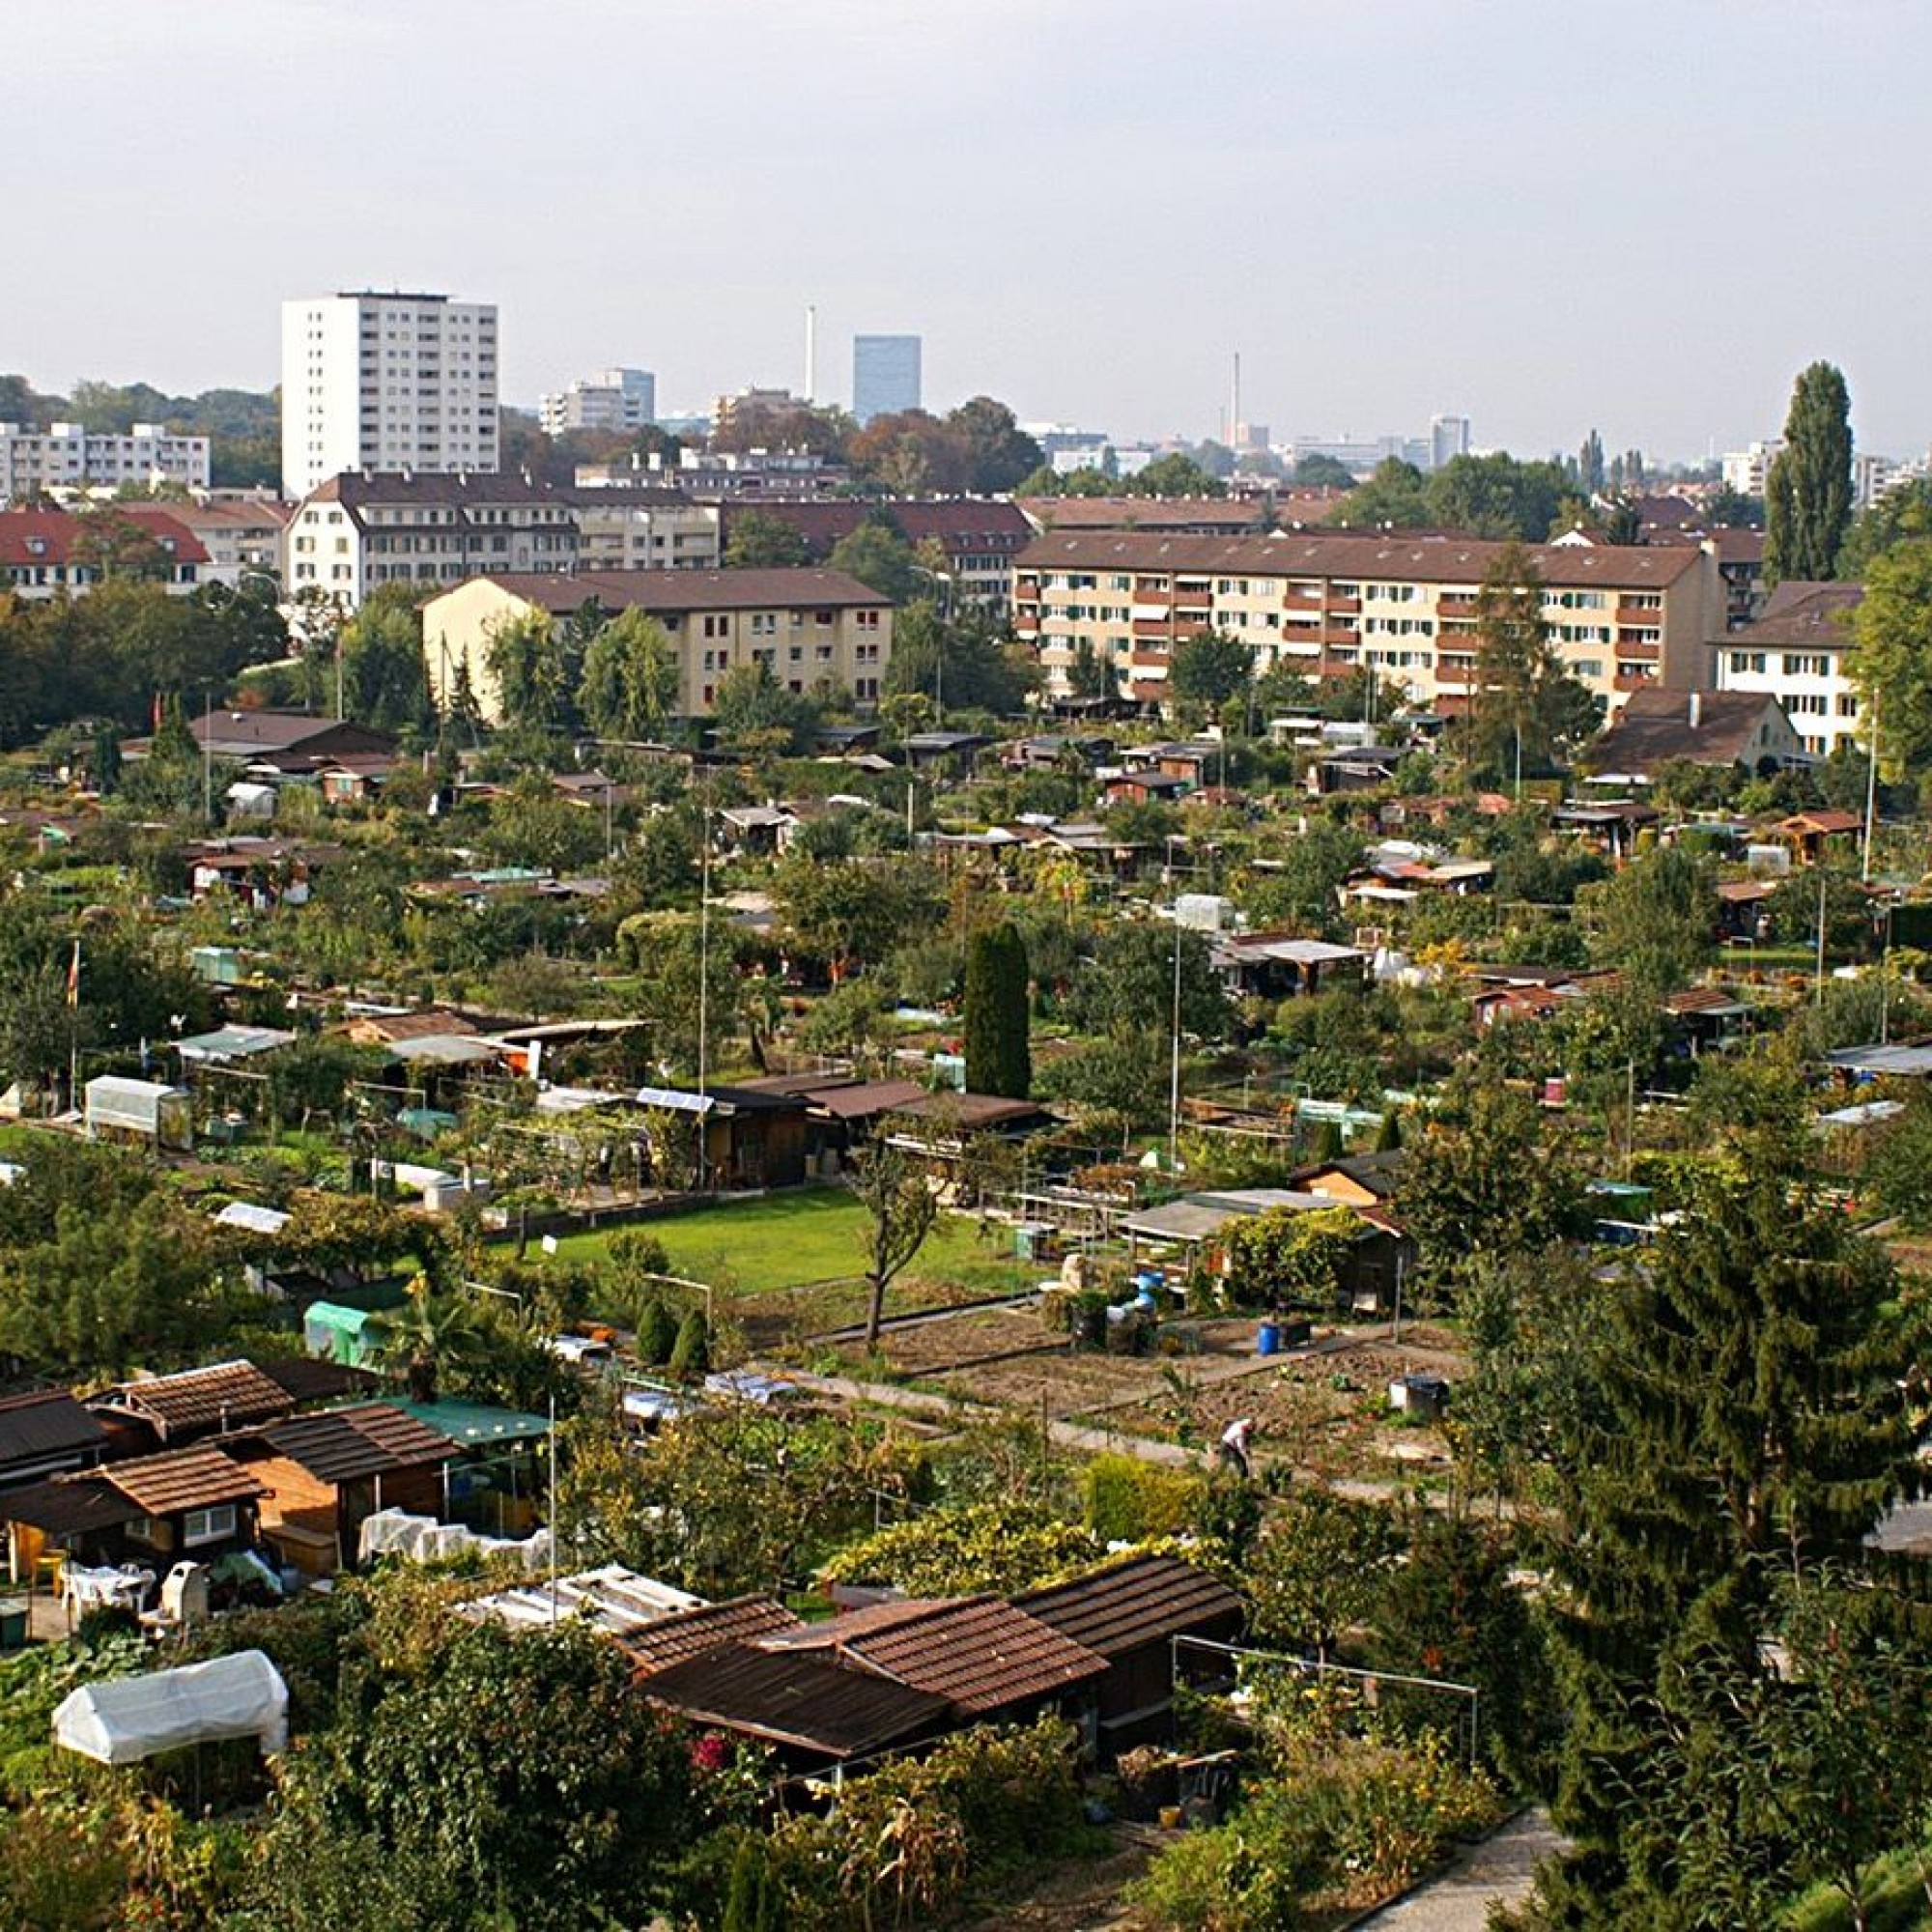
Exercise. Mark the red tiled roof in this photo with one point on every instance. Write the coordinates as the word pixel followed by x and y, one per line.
pixel 657 1646
pixel 338 1445
pixel 670 593
pixel 1142 1600
pixel 1403 557
pixel 225 1395
pixel 981 1654
pixel 35 537
pixel 181 1479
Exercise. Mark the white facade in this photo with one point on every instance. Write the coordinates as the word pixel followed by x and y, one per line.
pixel 387 383
pixel 1797 652
pixel 66 457
pixel 1448 439
pixel 1746 471
pixel 614 399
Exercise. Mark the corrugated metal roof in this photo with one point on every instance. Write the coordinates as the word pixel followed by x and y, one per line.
pixel 697 1632
pixel 181 1479
pixel 978 1652
pixel 798 1699
pixel 68 1505
pixel 1140 1602
pixel 338 1445
pixel 48 1424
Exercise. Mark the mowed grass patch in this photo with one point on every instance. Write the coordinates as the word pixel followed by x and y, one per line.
pixel 790 1240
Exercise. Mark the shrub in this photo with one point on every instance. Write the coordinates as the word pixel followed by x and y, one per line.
pixel 657 1333
pixel 1128 1500
pixel 691 1356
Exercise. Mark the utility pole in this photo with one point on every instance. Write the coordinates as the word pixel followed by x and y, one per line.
pixel 1872 797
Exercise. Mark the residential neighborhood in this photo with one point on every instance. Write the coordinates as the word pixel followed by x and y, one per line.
pixel 795 1133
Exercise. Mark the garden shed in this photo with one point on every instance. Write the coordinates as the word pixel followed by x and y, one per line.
pixel 148 1108
pixel 125 1719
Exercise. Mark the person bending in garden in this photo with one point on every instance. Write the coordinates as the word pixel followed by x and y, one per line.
pixel 1234 1441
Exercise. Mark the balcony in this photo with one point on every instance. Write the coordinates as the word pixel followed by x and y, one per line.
pixel 1345 606
pixel 1455 606
pixel 1636 653
pixel 1631 680
pixel 1650 616
pixel 1143 626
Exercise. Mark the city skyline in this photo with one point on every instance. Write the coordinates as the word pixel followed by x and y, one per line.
pixel 1387 213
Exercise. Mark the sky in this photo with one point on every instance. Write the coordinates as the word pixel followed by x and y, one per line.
pixel 1643 218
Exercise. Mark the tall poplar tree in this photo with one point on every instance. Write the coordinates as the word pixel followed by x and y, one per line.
pixel 999 1057
pixel 1809 488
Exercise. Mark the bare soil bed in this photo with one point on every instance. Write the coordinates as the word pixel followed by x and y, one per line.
pixel 1326 1413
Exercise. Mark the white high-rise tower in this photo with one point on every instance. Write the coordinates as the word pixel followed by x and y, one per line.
pixel 387 383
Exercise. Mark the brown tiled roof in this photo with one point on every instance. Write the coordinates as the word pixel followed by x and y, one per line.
pixel 1431 559
pixel 798 1699
pixel 692 1633
pixel 1142 1600
pixel 340 1444
pixel 1145 513
pixel 958 523
pixel 225 1395
pixel 668 593
pixel 181 1479
pixel 1701 1000
pixel 981 1654
pixel 1802 615
pixel 1655 726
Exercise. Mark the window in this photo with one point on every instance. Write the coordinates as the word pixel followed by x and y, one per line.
pixel 208 1525
pixel 1747 662
pixel 1848 704
pixel 1807 664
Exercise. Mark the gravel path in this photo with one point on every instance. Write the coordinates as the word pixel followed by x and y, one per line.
pixel 1501 1867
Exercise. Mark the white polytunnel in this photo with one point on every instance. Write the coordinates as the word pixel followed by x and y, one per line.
pixel 124 1720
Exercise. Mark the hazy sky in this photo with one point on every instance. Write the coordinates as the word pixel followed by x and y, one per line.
pixel 1644 216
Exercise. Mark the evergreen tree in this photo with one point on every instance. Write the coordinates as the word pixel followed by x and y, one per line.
pixel 1753 1422
pixel 1809 490
pixel 999 1058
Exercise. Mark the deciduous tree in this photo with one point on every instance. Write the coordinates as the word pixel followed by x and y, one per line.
pixel 1808 488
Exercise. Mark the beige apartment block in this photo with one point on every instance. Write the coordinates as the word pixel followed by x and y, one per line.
pixel 809 627
pixel 1621 619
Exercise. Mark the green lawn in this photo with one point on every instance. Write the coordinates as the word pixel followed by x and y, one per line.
pixel 787 1241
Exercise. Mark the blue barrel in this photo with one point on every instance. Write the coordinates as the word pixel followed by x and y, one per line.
pixel 1268 1339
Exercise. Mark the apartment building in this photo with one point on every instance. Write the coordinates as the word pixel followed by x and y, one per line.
pixel 47 553
pixel 618 400
pixel 809 627
pixel 242 536
pixel 387 383
pixel 641 527
pixel 67 455
pixel 980 537
pixel 1797 652
pixel 1621 619
pixel 355 532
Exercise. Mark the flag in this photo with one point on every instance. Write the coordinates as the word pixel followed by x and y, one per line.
pixel 73 976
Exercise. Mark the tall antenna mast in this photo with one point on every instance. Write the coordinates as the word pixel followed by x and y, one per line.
pixel 811 351
pixel 1235 405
